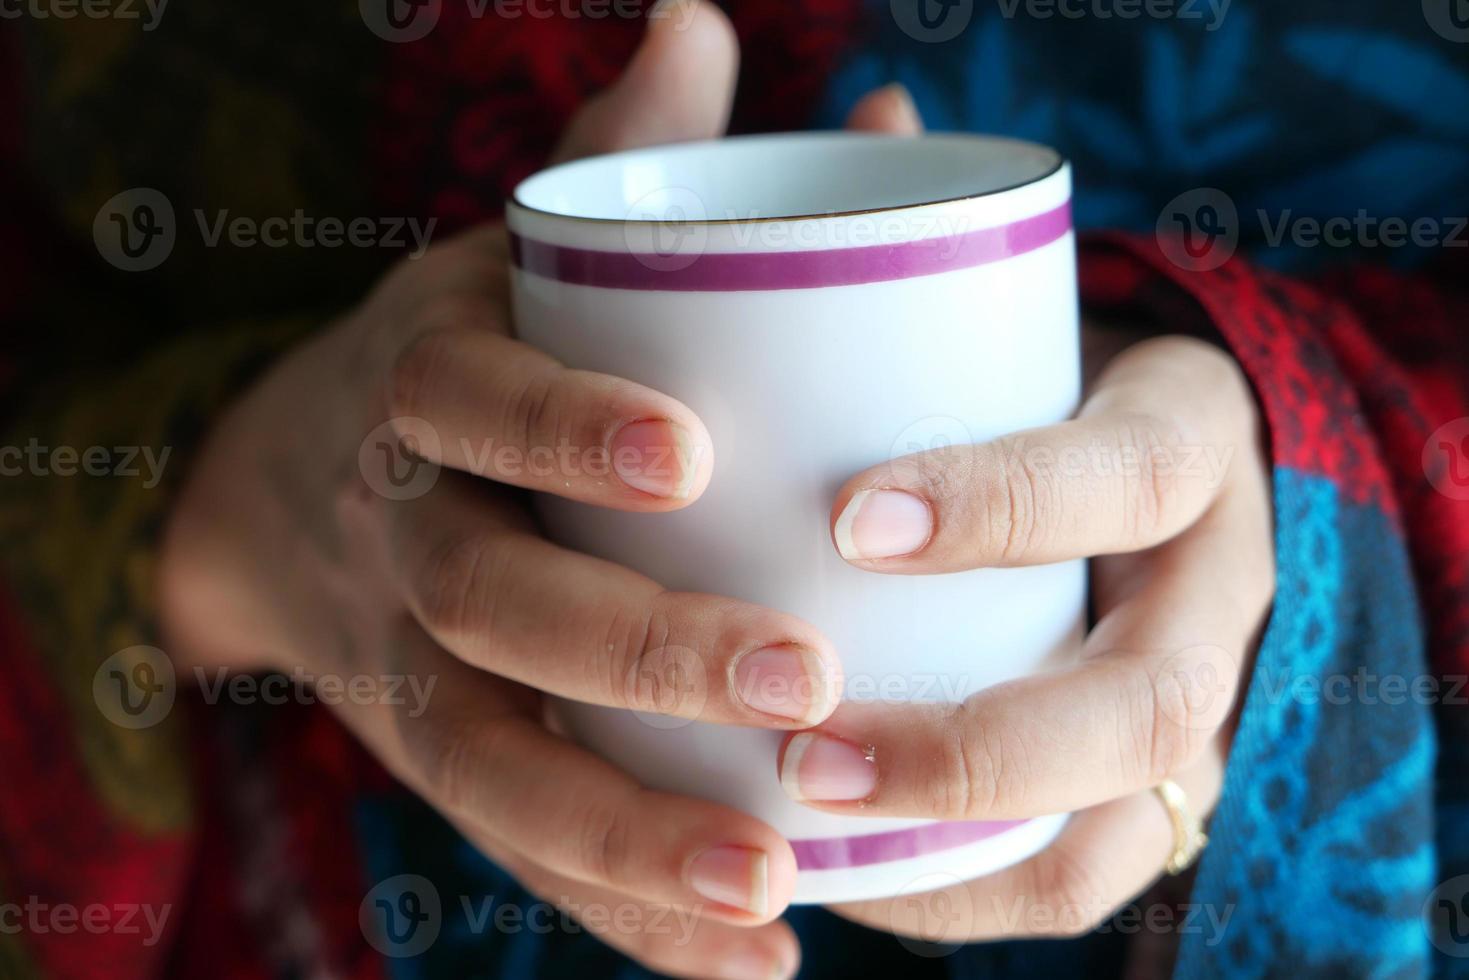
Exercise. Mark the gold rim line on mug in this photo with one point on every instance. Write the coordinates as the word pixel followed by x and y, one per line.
pixel 1058 162
pixel 1189 839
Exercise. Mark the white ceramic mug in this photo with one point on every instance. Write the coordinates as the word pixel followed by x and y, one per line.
pixel 824 302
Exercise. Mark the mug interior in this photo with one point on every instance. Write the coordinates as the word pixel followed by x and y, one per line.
pixel 784 176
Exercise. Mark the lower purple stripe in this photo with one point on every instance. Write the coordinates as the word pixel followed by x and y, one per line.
pixel 825 854
pixel 740 271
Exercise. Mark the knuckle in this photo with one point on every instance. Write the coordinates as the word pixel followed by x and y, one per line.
pixel 454 589
pixel 957 789
pixel 530 414
pixel 981 769
pixel 417 369
pixel 603 842
pixel 1152 491
pixel 1015 506
pixel 453 767
pixel 1165 727
pixel 649 671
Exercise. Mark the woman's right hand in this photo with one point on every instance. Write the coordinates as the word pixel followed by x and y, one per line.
pixel 305 538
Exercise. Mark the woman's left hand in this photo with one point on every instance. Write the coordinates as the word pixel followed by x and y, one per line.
pixel 1162 480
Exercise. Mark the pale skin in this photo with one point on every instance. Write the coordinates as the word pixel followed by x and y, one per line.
pixel 280 555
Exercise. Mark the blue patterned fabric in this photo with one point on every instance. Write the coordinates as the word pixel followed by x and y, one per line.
pixel 1338 789
pixel 1299 110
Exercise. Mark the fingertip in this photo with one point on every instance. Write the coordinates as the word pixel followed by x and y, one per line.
pixel 666 460
pixel 678 86
pixel 696 23
pixel 788 685
pixel 747 883
pixel 775 956
pixel 889 109
pixel 881 523
pixel 781 878
pixel 690 58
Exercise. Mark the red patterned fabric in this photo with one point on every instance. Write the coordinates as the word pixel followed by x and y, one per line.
pixel 59 844
pixel 478 105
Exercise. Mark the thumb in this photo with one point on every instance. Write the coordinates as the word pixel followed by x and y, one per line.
pixel 679 85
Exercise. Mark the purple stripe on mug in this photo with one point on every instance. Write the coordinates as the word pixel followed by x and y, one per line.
pixel 829 853
pixel 744 271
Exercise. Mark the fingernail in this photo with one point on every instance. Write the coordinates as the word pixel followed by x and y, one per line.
pixel 822 769
pixel 751 964
pixel 737 876
pixel 655 456
pixel 883 524
pixel 785 681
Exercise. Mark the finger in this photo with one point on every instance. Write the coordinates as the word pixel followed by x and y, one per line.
pixel 1157 679
pixel 673 941
pixel 889 109
pixel 1103 859
pixel 469 398
pixel 1147 454
pixel 506 600
pixel 679 85
pixel 490 762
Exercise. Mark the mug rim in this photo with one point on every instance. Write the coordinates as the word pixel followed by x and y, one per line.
pixel 1058 163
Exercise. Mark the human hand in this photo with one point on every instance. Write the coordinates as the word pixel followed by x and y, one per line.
pixel 280 555
pixel 1179 526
